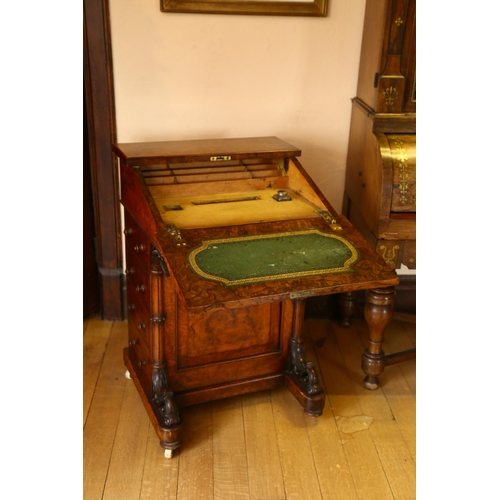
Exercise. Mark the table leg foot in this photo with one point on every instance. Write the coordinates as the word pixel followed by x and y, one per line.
pixel 378 314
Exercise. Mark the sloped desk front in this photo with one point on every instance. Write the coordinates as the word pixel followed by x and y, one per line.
pixel 225 239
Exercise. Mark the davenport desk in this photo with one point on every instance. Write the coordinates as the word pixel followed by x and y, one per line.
pixel 225 239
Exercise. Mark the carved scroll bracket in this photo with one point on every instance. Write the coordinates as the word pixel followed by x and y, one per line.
pixel 303 370
pixel 156 256
pixel 163 399
pixel 301 378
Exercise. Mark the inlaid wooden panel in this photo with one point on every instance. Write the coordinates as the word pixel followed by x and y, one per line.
pixel 410 254
pixel 222 333
pixel 261 356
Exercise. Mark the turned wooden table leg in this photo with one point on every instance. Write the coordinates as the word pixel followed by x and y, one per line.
pixel 347 307
pixel 378 314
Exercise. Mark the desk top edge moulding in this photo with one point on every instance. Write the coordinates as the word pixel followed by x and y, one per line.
pixel 225 239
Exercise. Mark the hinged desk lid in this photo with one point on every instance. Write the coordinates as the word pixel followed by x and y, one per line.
pixel 272 261
pixel 261 235
pixel 143 153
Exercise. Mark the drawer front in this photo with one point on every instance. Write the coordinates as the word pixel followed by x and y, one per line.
pixel 139 320
pixel 137 281
pixel 140 358
pixel 137 242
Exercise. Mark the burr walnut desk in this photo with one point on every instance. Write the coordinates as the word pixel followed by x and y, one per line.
pixel 225 239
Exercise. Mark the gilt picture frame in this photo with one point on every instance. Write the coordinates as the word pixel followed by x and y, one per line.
pixel 313 8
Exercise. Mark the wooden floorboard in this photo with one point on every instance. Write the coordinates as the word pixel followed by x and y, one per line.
pixel 129 449
pixel 265 476
pixel 258 446
pixel 95 340
pixel 230 468
pixel 332 468
pixel 104 413
pixel 196 461
pixel 160 476
pixel 296 456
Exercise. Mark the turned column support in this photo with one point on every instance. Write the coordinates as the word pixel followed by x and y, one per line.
pixel 379 309
pixel 347 307
pixel 162 400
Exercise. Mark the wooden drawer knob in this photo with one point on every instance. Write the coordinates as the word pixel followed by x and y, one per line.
pixel 139 247
pixel 140 288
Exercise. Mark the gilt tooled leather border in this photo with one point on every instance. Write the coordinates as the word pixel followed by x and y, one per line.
pixel 206 244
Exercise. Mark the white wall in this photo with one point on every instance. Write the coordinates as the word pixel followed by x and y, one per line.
pixel 197 76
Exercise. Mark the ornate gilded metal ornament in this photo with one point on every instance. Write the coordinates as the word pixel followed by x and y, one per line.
pixel 329 218
pixel 402 164
pixel 399 21
pixel 220 158
pixel 390 95
pixel 176 235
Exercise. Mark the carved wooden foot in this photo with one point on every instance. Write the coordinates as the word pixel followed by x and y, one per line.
pixel 347 307
pixel 378 314
pixel 300 377
pixel 161 407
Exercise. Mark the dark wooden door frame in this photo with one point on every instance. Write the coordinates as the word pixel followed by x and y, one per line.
pixel 99 91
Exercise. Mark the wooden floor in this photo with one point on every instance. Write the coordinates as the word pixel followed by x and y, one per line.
pixel 260 446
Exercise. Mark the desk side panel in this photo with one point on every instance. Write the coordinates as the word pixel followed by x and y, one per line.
pixel 137 199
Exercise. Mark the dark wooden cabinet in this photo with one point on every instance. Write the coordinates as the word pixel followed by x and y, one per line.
pixel 225 239
pixel 380 190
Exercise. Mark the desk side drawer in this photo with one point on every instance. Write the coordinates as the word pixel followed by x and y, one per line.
pixel 137 242
pixel 139 320
pixel 140 358
pixel 138 286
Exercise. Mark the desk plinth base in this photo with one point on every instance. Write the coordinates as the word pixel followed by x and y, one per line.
pixel 313 404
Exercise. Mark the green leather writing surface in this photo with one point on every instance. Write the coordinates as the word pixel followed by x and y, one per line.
pixel 268 257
